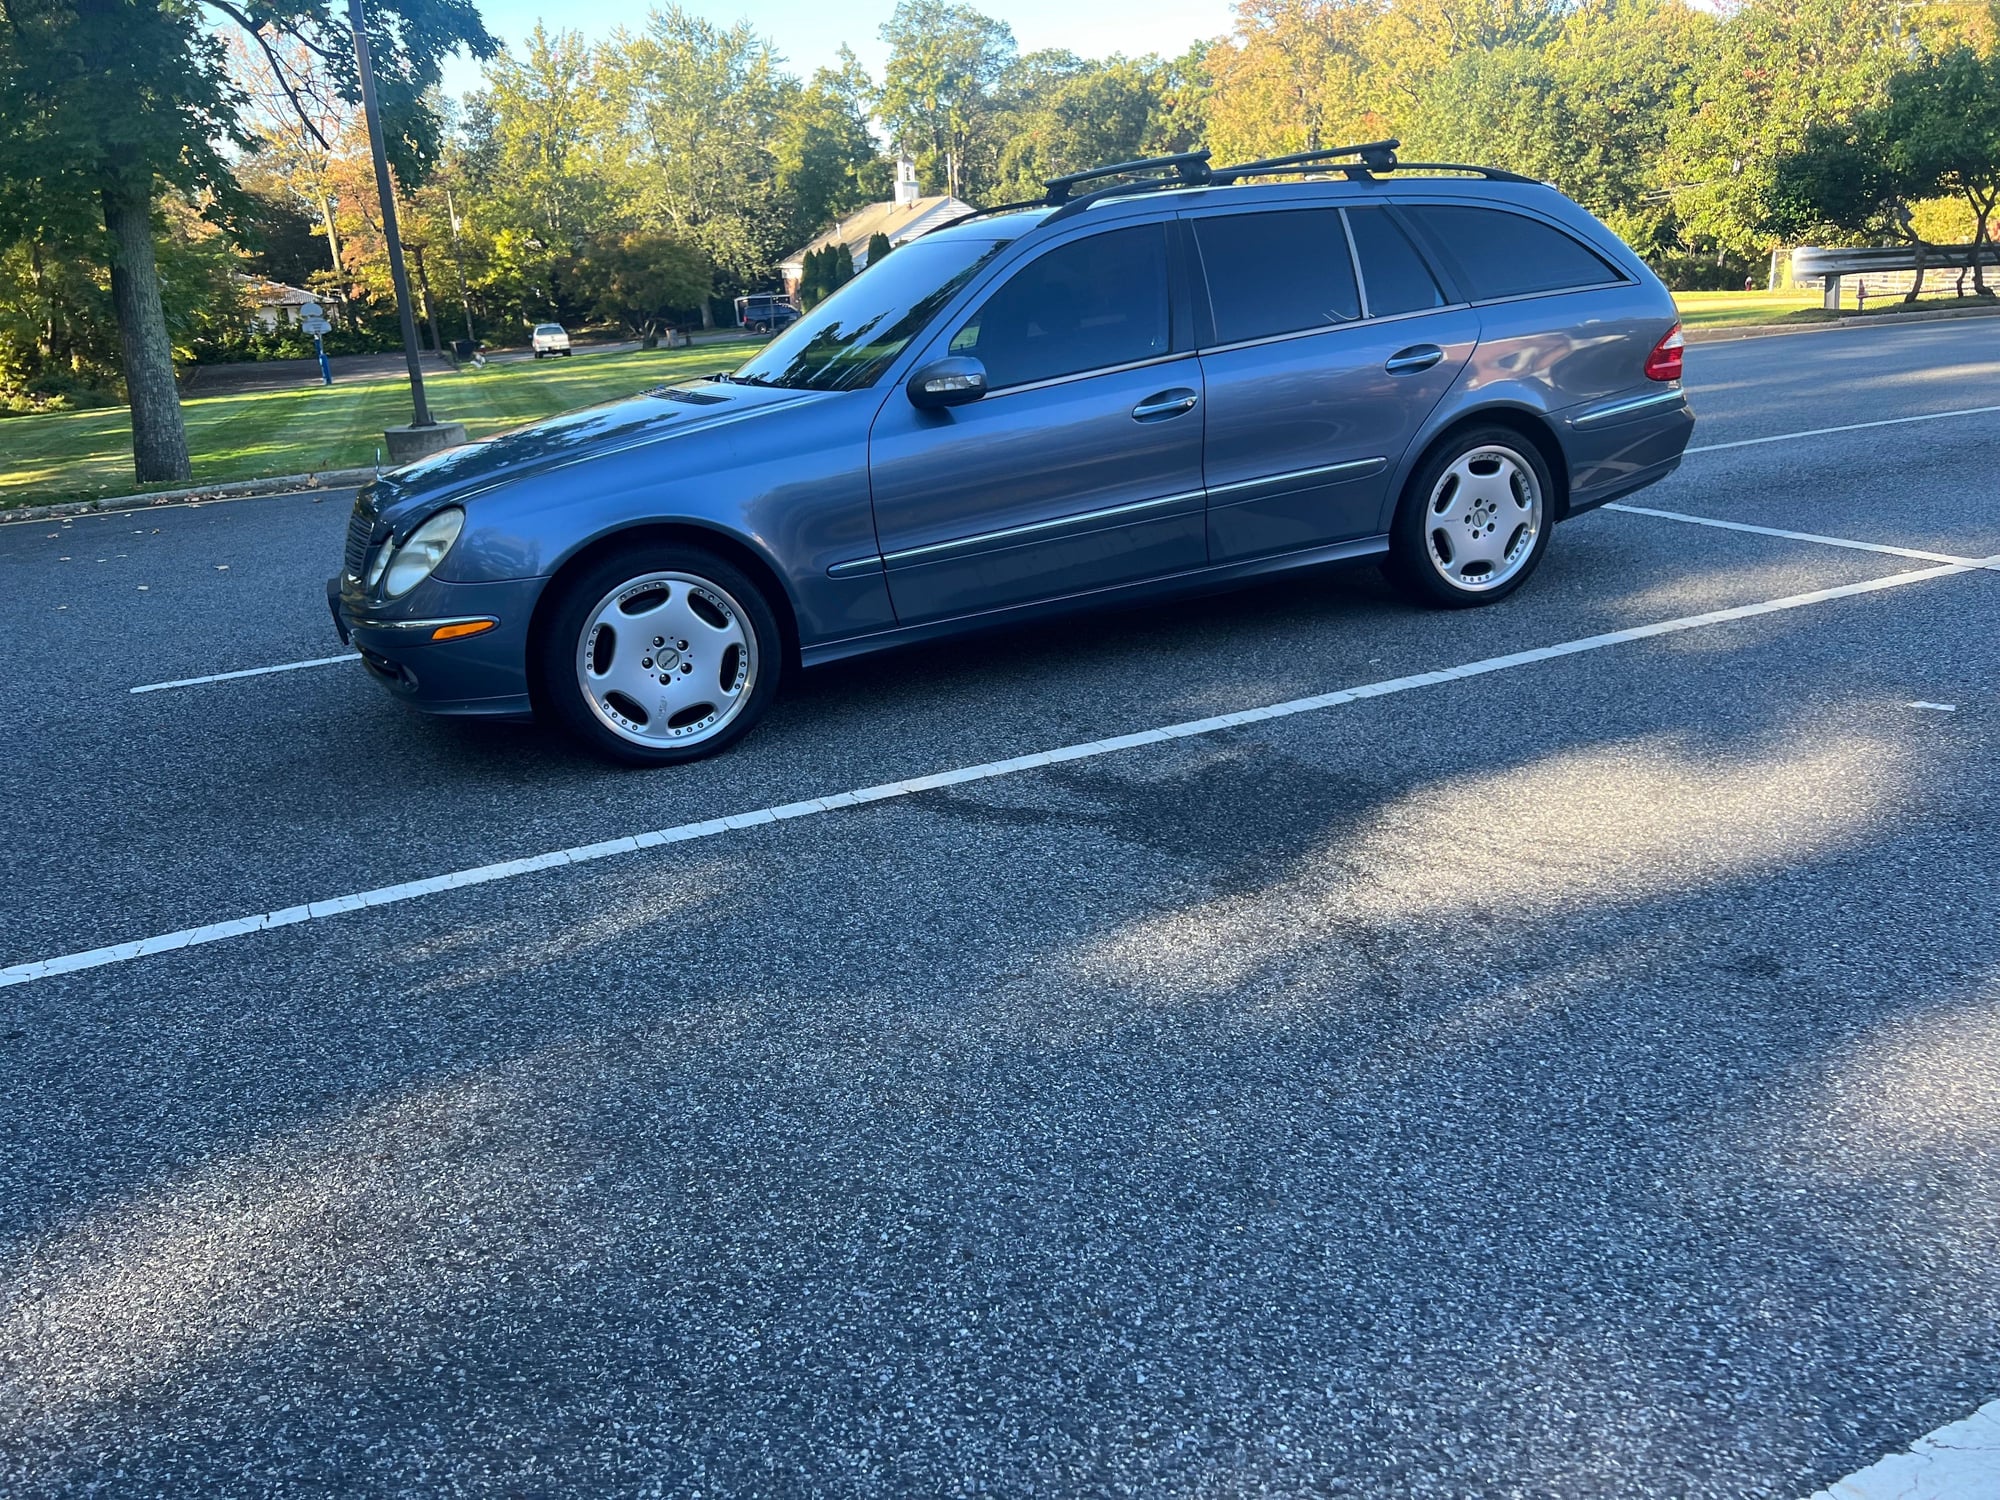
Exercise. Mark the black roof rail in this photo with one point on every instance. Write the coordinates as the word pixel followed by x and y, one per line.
pixel 1492 174
pixel 1374 156
pixel 1189 167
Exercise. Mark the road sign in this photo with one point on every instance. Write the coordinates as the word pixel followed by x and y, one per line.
pixel 315 324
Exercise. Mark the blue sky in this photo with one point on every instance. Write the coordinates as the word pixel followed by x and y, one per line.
pixel 809 32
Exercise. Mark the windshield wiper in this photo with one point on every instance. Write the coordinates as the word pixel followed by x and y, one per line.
pixel 741 379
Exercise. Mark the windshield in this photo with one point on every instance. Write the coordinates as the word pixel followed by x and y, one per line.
pixel 849 339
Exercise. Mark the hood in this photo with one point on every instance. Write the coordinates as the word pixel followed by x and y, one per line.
pixel 669 411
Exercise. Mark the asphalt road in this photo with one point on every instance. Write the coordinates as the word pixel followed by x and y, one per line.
pixel 1575 1079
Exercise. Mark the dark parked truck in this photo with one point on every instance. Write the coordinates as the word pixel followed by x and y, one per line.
pixel 763 312
pixel 1166 377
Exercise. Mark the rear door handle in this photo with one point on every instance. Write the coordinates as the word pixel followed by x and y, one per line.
pixel 1416 357
pixel 1165 404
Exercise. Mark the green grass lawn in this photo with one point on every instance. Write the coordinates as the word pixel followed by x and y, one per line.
pixel 1734 309
pixel 1741 309
pixel 80 455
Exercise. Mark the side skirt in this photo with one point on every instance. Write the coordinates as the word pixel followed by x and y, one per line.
pixel 1193 581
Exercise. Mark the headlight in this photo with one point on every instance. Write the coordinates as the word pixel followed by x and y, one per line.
pixel 384 550
pixel 414 561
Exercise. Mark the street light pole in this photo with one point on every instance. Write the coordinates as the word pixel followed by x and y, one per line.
pixel 412 350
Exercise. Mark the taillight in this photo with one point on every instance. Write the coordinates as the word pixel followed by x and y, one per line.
pixel 1664 363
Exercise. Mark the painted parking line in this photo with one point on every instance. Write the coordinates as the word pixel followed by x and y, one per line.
pixel 1811 432
pixel 289 666
pixel 1960 1461
pixel 411 890
pixel 1913 553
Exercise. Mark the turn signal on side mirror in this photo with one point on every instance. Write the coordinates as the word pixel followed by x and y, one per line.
pixel 1664 363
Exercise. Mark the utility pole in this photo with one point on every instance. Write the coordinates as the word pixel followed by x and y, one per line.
pixel 425 437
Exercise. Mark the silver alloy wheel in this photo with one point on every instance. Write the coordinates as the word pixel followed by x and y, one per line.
pixel 1483 517
pixel 667 659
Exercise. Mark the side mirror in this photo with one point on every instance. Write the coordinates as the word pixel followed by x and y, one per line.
pixel 947 382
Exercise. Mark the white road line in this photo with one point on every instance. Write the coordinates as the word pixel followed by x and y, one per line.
pixel 1792 536
pixel 1960 1461
pixel 410 890
pixel 1786 437
pixel 290 666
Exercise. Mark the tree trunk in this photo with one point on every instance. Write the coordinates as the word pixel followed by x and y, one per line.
pixel 332 229
pixel 1917 281
pixel 1979 251
pixel 159 440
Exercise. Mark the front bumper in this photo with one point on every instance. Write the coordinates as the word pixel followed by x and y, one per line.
pixel 485 674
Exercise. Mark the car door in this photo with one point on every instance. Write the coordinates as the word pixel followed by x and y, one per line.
pixel 1080 469
pixel 1317 377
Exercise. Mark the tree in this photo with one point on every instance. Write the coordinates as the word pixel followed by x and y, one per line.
pixel 99 100
pixel 1775 70
pixel 1941 126
pixel 945 61
pixel 1064 115
pixel 642 279
pixel 824 157
pixel 701 103
pixel 103 103
pixel 878 247
pixel 843 266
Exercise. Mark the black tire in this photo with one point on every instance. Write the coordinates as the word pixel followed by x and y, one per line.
pixel 1419 540
pixel 558 666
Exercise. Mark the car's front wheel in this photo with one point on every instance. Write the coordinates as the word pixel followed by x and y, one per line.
pixel 1474 520
pixel 660 655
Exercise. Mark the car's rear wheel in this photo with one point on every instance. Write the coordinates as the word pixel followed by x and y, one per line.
pixel 660 655
pixel 1474 520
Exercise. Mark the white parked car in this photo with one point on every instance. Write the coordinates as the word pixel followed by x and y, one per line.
pixel 549 338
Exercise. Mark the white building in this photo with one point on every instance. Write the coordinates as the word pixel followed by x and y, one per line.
pixel 275 305
pixel 902 218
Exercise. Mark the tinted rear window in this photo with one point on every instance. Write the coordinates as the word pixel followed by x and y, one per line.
pixel 1498 254
pixel 1277 272
pixel 1397 279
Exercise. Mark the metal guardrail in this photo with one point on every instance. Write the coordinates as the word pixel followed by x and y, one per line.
pixel 1830 264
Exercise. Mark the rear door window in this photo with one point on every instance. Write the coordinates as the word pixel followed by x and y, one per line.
pixel 1280 272
pixel 1494 253
pixel 1087 305
pixel 1393 272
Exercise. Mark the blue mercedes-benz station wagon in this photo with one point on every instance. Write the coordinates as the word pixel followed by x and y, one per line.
pixel 1164 375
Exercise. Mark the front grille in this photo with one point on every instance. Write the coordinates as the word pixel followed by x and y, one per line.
pixel 360 527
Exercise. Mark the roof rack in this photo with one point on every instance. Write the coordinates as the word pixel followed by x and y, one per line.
pixel 1374 156
pixel 1189 168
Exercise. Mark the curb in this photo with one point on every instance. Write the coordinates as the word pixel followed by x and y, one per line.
pixel 241 489
pixel 1846 320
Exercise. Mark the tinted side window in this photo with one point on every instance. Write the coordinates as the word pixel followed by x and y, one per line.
pixel 1277 272
pixel 1084 306
pixel 1498 254
pixel 1396 277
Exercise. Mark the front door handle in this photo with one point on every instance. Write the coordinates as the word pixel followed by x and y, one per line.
pixel 1416 357
pixel 1165 404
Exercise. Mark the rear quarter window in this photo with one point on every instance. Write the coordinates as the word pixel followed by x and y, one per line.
pixel 1495 253
pixel 1281 271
